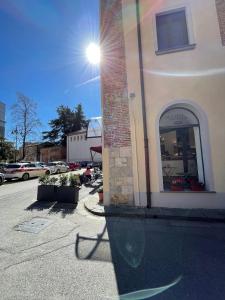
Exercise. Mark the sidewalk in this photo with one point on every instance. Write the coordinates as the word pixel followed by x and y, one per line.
pixel 203 215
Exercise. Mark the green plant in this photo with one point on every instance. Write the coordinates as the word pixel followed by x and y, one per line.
pixel 63 179
pixel 44 179
pixel 74 180
pixel 47 180
pixel 53 180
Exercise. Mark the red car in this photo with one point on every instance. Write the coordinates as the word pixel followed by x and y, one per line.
pixel 74 166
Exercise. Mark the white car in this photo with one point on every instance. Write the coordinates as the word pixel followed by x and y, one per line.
pixel 59 167
pixel 2 178
pixel 24 171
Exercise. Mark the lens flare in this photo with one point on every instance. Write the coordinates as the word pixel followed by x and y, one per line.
pixel 93 54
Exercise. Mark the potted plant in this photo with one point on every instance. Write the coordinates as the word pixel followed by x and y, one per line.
pixel 177 185
pixel 67 193
pixel 100 194
pixel 46 189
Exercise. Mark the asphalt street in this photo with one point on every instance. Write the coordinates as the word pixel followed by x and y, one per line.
pixel 80 256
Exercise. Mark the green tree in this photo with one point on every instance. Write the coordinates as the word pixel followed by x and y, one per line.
pixel 67 121
pixel 25 118
pixel 7 150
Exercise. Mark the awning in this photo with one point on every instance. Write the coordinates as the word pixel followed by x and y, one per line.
pixel 97 149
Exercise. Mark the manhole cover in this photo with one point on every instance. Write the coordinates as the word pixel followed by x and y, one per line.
pixel 33 226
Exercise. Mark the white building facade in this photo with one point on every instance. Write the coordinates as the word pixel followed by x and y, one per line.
pixel 79 143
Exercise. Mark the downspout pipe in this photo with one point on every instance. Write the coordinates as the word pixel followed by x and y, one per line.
pixel 146 146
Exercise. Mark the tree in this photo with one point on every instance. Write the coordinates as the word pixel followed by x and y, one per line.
pixel 7 150
pixel 25 118
pixel 67 121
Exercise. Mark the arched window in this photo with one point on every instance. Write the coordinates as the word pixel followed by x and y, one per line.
pixel 181 150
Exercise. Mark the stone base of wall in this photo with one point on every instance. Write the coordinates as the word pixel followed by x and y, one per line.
pixel 121 176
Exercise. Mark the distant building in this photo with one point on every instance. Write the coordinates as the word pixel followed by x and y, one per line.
pixel 2 119
pixel 32 152
pixel 52 153
pixel 80 142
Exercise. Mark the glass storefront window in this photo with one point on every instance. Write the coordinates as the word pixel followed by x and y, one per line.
pixel 181 153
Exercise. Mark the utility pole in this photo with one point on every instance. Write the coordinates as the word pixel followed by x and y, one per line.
pixel 15 132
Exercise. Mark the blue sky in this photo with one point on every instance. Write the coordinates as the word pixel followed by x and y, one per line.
pixel 42 54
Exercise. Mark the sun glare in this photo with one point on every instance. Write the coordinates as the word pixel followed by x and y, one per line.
pixel 93 54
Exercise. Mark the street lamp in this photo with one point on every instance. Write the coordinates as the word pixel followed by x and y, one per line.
pixel 15 132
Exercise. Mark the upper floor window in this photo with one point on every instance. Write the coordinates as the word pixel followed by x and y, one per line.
pixel 172 31
pixel 71 139
pixel 74 138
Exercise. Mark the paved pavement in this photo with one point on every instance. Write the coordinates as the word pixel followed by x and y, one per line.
pixel 81 256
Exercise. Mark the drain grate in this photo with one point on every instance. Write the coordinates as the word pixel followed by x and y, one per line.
pixel 33 226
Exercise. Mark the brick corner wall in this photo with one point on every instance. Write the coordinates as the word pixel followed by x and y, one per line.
pixel 115 103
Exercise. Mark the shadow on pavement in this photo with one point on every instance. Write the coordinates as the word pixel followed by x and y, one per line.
pixel 38 205
pixel 53 207
pixel 154 260
pixel 63 208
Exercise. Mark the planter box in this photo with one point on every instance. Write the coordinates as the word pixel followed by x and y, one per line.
pixel 177 188
pixel 46 193
pixel 67 194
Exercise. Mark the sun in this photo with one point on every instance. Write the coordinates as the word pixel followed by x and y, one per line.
pixel 93 54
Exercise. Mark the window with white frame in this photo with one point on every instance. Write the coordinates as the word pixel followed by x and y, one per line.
pixel 172 30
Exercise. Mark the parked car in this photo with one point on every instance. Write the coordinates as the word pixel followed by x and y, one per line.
pixel 2 166
pixel 84 163
pixel 74 166
pixel 2 178
pixel 24 171
pixel 60 166
pixel 95 164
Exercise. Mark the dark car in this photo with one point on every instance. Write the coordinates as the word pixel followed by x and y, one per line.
pixel 2 166
pixel 95 164
pixel 84 163
pixel 2 178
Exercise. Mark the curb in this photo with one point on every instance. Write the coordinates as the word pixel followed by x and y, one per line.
pixel 143 213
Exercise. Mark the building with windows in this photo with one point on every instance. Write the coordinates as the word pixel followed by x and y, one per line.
pixel 163 98
pixel 79 143
pixel 2 119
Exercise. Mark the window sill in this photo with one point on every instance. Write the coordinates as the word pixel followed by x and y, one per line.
pixel 184 48
pixel 188 192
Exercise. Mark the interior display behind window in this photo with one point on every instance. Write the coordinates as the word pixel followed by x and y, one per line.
pixel 181 151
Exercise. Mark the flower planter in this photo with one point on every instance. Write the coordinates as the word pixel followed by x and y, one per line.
pixel 100 195
pixel 46 193
pixel 177 188
pixel 67 194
